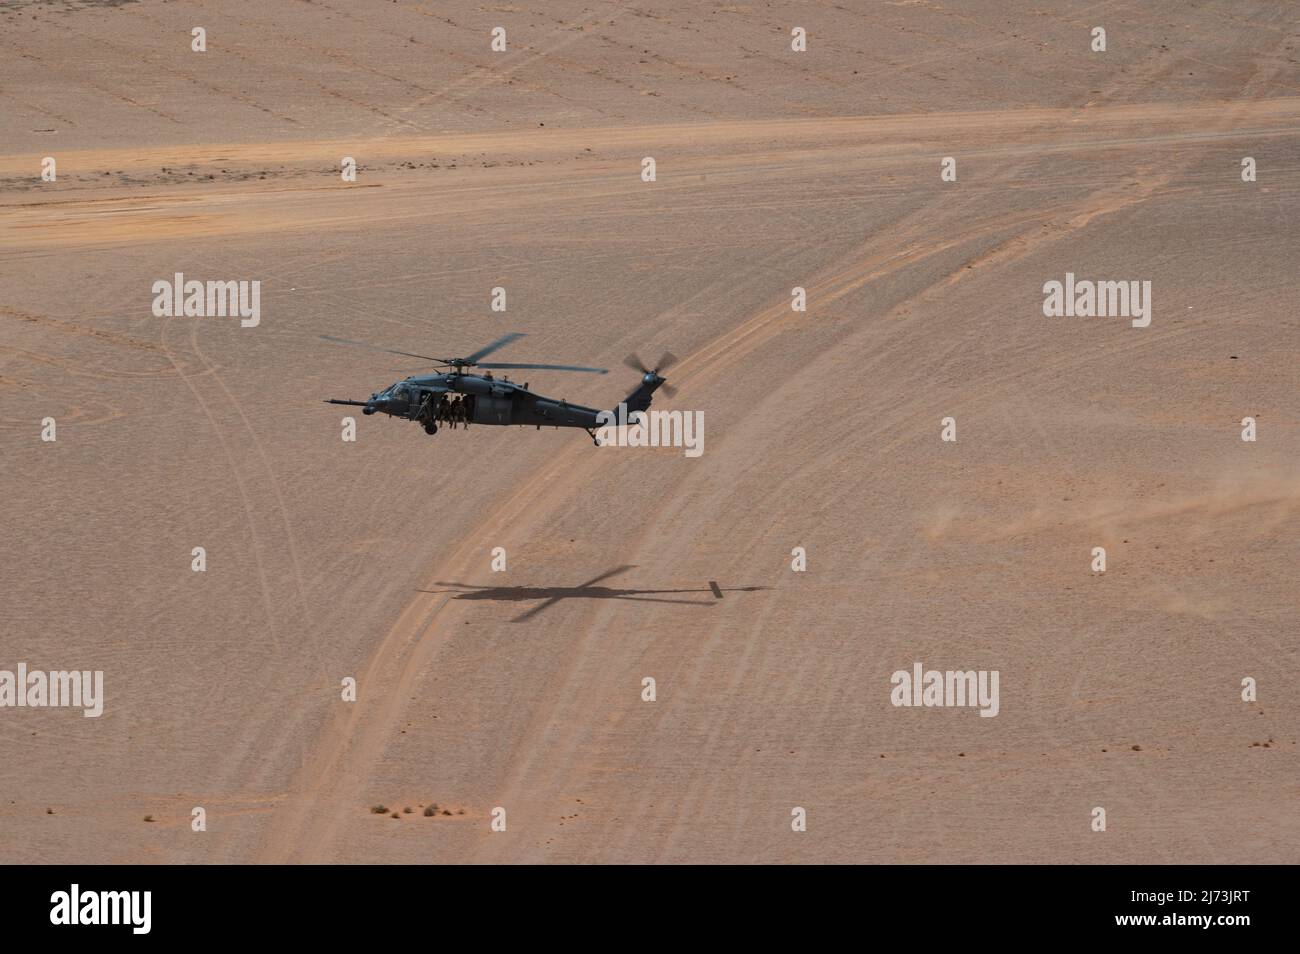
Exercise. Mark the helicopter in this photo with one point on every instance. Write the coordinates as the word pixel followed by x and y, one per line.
pixel 455 397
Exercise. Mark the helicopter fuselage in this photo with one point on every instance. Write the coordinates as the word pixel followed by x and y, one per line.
pixel 458 398
pixel 488 400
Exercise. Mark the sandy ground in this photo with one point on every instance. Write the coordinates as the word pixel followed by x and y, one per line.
pixel 522 690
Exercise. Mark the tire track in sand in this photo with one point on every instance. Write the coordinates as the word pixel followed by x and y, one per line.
pixel 332 781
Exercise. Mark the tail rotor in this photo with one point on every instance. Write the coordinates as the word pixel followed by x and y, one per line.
pixel 666 360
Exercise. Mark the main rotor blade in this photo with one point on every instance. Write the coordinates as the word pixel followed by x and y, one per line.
pixel 499 343
pixel 636 364
pixel 669 390
pixel 666 361
pixel 547 367
pixel 370 347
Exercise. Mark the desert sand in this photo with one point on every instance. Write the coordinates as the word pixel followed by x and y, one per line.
pixel 522 690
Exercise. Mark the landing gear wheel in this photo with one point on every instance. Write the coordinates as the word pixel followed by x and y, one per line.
pixel 431 428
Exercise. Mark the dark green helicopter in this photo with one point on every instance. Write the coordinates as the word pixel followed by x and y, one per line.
pixel 457 398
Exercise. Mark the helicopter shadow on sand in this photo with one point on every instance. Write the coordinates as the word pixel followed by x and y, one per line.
pixel 551 595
